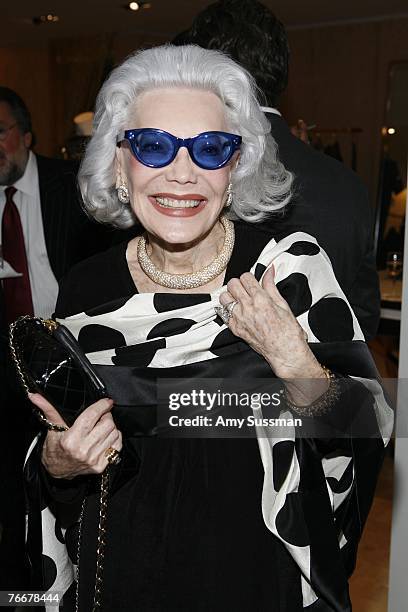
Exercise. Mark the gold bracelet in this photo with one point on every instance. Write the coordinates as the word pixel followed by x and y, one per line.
pixel 324 403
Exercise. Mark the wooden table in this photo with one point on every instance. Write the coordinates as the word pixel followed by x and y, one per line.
pixel 391 296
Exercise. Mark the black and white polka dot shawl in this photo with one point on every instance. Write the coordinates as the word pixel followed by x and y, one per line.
pixel 316 493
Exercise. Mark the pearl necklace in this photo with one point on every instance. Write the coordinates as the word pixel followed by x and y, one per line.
pixel 195 279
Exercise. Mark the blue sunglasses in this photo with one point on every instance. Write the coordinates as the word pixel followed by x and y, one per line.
pixel 156 148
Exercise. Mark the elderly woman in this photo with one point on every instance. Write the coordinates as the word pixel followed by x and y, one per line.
pixel 263 523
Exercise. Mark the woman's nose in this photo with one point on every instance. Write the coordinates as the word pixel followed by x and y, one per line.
pixel 182 169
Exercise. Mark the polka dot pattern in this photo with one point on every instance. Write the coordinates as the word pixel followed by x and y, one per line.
pixel 282 459
pixel 290 523
pixel 331 320
pixel 344 482
pixel 303 248
pixel 164 302
pixel 259 270
pixel 169 329
pixel 295 290
pixel 138 356
pixel 108 307
pixel 100 337
pixel 222 344
pixel 58 533
pixel 49 570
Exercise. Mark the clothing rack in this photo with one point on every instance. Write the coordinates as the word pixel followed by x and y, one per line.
pixel 333 148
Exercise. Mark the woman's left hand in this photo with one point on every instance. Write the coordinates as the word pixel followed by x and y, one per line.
pixel 264 320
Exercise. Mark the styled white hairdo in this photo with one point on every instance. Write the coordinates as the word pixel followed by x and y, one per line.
pixel 260 182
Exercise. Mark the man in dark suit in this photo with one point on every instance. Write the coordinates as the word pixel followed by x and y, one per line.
pixel 330 202
pixel 46 198
pixel 44 231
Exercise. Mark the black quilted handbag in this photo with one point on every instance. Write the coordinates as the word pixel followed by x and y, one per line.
pixel 50 361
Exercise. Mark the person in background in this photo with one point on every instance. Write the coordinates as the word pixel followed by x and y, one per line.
pixel 330 202
pixel 44 231
pixel 44 228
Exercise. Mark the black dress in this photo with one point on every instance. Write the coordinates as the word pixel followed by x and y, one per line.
pixel 211 524
pixel 186 531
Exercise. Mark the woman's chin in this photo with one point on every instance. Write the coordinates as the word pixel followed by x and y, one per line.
pixel 178 237
pixel 179 229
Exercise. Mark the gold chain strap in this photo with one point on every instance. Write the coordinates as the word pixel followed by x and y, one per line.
pixel 81 518
pixel 101 543
pixel 14 352
pixel 50 326
pixel 100 549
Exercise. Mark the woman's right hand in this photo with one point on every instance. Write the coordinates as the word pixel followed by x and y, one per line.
pixel 81 449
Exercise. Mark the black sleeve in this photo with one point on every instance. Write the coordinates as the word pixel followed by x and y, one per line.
pixel 100 279
pixel 73 293
pixel 364 294
pixel 62 490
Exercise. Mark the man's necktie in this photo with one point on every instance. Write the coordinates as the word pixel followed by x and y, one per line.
pixel 17 291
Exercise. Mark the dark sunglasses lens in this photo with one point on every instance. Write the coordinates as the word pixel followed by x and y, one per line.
pixel 153 149
pixel 212 150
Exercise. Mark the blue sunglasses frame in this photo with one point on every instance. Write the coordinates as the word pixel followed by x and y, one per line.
pixel 130 136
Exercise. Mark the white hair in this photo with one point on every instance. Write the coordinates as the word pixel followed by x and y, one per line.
pixel 260 183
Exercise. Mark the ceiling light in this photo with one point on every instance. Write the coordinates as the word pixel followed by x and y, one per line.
pixel 391 130
pixel 135 6
pixel 50 18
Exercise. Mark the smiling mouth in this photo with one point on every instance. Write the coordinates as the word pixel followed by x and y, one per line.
pixel 172 203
